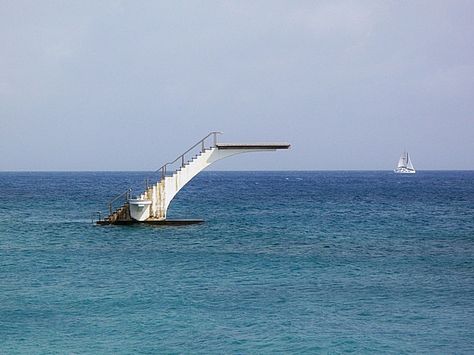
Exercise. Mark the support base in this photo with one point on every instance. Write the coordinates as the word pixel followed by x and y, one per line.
pixel 156 222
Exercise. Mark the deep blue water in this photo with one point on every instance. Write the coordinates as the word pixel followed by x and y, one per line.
pixel 291 262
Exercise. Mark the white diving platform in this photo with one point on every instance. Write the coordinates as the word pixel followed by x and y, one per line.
pixel 151 206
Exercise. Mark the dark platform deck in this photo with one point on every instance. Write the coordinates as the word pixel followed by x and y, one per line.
pixel 156 222
pixel 270 146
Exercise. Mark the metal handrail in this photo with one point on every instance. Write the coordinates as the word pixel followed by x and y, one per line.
pixel 98 214
pixel 125 193
pixel 202 141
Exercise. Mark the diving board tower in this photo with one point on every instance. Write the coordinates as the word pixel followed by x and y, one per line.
pixel 151 205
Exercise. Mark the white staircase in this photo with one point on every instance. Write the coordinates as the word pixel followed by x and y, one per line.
pixel 153 203
pixel 162 193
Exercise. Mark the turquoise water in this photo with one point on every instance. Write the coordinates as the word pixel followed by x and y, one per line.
pixel 291 262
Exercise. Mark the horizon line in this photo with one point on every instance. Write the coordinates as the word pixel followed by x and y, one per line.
pixel 211 170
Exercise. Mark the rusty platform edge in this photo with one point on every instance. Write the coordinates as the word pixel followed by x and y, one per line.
pixel 163 222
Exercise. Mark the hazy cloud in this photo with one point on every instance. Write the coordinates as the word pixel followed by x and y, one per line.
pixel 127 85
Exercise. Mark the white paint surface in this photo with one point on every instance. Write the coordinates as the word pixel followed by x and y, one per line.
pixel 159 196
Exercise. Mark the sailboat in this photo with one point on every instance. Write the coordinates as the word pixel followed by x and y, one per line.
pixel 404 165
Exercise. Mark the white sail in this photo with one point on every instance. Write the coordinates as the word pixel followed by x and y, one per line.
pixel 402 162
pixel 409 164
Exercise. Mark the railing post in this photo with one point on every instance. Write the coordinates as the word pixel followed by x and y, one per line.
pixel 215 138
pixel 182 160
pixel 202 146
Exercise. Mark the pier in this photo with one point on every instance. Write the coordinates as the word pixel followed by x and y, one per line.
pixel 151 206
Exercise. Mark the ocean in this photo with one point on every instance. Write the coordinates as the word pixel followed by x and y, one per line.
pixel 286 262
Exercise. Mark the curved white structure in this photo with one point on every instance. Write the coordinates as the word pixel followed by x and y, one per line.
pixel 154 202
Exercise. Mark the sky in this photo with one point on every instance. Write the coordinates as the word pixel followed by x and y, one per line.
pixel 129 85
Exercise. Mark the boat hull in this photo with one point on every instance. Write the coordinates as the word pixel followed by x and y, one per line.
pixel 404 171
